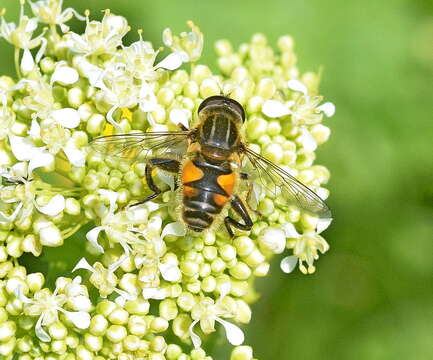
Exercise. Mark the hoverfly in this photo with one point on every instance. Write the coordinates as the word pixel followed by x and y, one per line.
pixel 211 161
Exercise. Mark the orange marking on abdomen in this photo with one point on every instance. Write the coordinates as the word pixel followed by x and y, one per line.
pixel 220 200
pixel 190 173
pixel 189 191
pixel 227 183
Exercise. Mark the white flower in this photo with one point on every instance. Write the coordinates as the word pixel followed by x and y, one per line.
pixel 50 12
pixel 188 45
pixel 148 258
pixel 25 150
pixel 24 192
pixel 105 279
pixel 41 99
pixel 140 58
pixel 58 138
pixel 147 98
pixel 100 37
pixel 306 248
pixel 119 227
pixel 7 116
pixel 21 37
pixel 207 312
pixel 118 89
pixel 305 110
pixel 47 305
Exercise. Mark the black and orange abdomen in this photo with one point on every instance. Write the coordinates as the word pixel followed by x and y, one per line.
pixel 206 188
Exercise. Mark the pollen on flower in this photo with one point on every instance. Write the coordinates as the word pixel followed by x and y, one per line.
pixel 148 287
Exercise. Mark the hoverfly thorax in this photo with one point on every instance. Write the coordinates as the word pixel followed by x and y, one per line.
pixel 218 133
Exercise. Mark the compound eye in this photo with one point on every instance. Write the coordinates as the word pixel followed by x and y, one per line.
pixel 223 101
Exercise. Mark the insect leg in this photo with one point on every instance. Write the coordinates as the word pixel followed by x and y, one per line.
pixel 162 163
pixel 241 210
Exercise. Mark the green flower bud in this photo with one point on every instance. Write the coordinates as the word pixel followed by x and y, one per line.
pixel 168 309
pixel 242 353
pixel 116 333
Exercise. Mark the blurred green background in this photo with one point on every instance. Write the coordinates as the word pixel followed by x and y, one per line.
pixel 372 295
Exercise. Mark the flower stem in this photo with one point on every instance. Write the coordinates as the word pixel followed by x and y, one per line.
pixel 17 62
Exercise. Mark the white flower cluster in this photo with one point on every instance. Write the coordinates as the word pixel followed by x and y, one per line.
pixel 145 277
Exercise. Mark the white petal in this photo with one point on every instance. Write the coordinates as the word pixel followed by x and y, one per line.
pixel 64 28
pixel 80 319
pixel 35 130
pixel 21 147
pixel 179 116
pixel 40 158
pixel 20 170
pixel 76 157
pixel 296 85
pixel 125 295
pixel 12 217
pixel 152 206
pixel 288 264
pixel 40 332
pixel 83 264
pixel 290 231
pixel 139 260
pixel 274 109
pixel 41 50
pixel 154 293
pixel 225 288
pixel 112 197
pixel 167 37
pixel 65 75
pixel 234 334
pixel 92 236
pixel 154 223
pixel 322 192
pixel 94 74
pixel 175 228
pixel 54 206
pixel 196 341
pixel 31 25
pixel 171 62
pixel 307 140
pixel 148 105
pixel 328 108
pixel 323 224
pixel 27 62
pixel 110 118
pixel 115 265
pixel 18 292
pixel 170 272
pixel 67 117
pixel 183 55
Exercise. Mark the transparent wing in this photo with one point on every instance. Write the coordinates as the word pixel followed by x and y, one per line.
pixel 142 145
pixel 283 186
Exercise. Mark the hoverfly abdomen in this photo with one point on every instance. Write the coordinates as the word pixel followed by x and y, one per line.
pixel 206 189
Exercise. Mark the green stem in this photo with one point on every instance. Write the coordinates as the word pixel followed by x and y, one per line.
pixel 17 62
pixel 66 233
